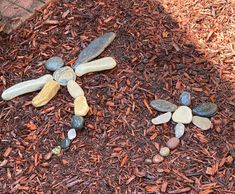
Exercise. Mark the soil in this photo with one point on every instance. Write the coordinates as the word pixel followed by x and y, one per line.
pixel 162 48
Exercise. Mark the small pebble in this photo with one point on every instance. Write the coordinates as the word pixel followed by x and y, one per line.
pixel 202 122
pixel 173 142
pixel 48 156
pixel 65 143
pixel 56 150
pixel 183 114
pixel 163 105
pixel 54 63
pixel 179 130
pixel 185 98
pixel 206 109
pixel 77 122
pixel 163 118
pixel 165 151
pixel 72 134
pixel 148 161
pixel 157 159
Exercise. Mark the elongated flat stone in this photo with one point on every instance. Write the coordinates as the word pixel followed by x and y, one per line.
pixel 202 122
pixel 206 109
pixel 97 65
pixel 163 105
pixel 74 89
pixel 26 87
pixel 63 75
pixel 95 48
pixel 164 118
pixel 179 130
pixel 183 114
pixel 46 94
pixel 81 107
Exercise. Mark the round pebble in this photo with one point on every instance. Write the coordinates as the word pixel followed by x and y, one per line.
pixel 183 114
pixel 72 134
pixel 56 150
pixel 165 151
pixel 65 143
pixel 54 63
pixel 173 142
pixel 157 159
pixel 179 130
pixel 185 98
pixel 77 122
pixel 63 75
pixel 148 161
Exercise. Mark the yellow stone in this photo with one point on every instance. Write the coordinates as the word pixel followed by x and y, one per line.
pixel 81 107
pixel 46 94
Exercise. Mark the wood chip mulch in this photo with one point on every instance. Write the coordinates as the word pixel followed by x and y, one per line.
pixel 162 48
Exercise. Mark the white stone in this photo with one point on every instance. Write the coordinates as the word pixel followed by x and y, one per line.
pixel 26 87
pixel 97 65
pixel 183 114
pixel 74 89
pixel 72 134
pixel 179 130
pixel 202 122
pixel 163 118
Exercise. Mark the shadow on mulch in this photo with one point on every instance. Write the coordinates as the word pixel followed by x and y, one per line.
pixel 156 59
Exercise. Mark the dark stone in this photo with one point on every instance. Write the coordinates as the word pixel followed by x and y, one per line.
pixel 77 122
pixel 65 143
pixel 185 98
pixel 163 106
pixel 54 63
pixel 206 109
pixel 95 48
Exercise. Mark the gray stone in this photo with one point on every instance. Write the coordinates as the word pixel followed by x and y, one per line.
pixel 95 48
pixel 54 63
pixel 65 143
pixel 163 106
pixel 183 114
pixel 202 122
pixel 77 122
pixel 179 130
pixel 173 142
pixel 185 98
pixel 63 75
pixel 165 151
pixel 148 161
pixel 72 134
pixel 206 109
pixel 163 118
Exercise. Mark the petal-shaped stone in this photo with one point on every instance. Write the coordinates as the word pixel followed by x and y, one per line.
pixel 97 65
pixel 202 122
pixel 179 130
pixel 185 98
pixel 95 48
pixel 74 89
pixel 173 142
pixel 206 109
pixel 183 114
pixel 63 75
pixel 163 118
pixel 72 134
pixel 81 107
pixel 54 63
pixel 165 151
pixel 77 122
pixel 46 94
pixel 26 87
pixel 163 105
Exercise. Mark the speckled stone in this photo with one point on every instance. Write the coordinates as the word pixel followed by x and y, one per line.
pixel 65 143
pixel 183 114
pixel 206 109
pixel 54 63
pixel 157 159
pixel 163 118
pixel 163 105
pixel 95 48
pixel 185 98
pixel 165 151
pixel 56 150
pixel 63 75
pixel 77 122
pixel 173 142
pixel 72 134
pixel 202 122
pixel 179 130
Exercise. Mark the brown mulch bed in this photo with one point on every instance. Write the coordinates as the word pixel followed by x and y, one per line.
pixel 162 48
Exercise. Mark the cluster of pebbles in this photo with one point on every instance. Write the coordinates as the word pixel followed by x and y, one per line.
pixel 66 76
pixel 181 115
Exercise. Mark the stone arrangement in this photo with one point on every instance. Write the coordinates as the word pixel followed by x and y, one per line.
pixel 181 115
pixel 66 76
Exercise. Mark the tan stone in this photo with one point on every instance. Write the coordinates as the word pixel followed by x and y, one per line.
pixel 46 94
pixel 81 107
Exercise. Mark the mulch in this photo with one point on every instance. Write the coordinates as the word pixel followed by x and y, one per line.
pixel 162 48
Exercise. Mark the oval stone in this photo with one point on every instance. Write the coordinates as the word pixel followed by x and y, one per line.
pixel 81 107
pixel 157 159
pixel 163 118
pixel 65 143
pixel 179 130
pixel 72 134
pixel 74 89
pixel 77 122
pixel 63 75
pixel 56 150
pixel 173 142
pixel 54 63
pixel 163 105
pixel 206 109
pixel 148 161
pixel 185 98
pixel 165 151
pixel 183 114
pixel 202 122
